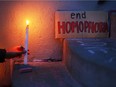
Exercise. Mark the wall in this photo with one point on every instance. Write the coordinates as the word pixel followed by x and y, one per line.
pixel 113 25
pixel 42 42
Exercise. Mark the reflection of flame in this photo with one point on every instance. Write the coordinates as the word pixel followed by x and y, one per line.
pixel 27 22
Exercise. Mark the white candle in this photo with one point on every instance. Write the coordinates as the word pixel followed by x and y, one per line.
pixel 26 43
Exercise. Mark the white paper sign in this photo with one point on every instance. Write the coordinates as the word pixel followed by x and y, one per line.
pixel 81 24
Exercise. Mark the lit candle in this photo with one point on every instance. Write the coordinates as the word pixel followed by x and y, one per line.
pixel 26 42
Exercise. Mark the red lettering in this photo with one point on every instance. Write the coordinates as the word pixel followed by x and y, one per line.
pixel 92 27
pixel 86 26
pixel 96 27
pixel 105 27
pixel 61 28
pixel 74 25
pixel 68 27
pixel 80 26
pixel 100 26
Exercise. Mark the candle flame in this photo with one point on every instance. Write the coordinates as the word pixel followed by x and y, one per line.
pixel 27 22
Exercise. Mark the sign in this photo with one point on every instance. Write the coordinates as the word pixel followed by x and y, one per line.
pixel 81 24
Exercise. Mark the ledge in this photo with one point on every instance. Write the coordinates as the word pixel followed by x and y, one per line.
pixel 91 61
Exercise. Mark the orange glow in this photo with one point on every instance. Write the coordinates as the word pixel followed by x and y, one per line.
pixel 16 49
pixel 27 22
pixel 40 25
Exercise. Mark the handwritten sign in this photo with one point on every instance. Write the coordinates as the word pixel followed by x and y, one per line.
pixel 81 24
